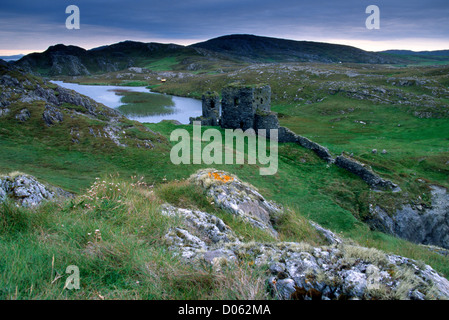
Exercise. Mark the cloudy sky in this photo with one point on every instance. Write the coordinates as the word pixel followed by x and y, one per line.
pixel 29 25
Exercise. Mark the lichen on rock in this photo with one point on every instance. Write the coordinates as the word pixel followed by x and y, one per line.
pixel 242 199
pixel 27 191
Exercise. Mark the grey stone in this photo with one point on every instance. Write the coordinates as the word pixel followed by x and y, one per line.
pixel 27 191
pixel 216 256
pixel 365 173
pixel 7 80
pixel 426 226
pixel 237 198
pixel 23 115
pixel 331 237
pixel 52 115
pixel 208 226
pixel 4 111
pixel 321 151
pixel 283 288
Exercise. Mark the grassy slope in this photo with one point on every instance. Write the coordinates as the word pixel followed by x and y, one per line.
pixel 130 260
pixel 114 235
pixel 326 194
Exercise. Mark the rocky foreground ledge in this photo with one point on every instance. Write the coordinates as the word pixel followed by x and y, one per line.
pixel 26 191
pixel 296 270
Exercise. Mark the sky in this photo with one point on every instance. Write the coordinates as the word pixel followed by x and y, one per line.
pixel 32 26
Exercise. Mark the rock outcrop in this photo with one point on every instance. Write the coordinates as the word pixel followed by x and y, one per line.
pixel 417 224
pixel 210 109
pixel 231 194
pixel 27 191
pixel 23 115
pixel 52 115
pixel 299 270
pixel 286 135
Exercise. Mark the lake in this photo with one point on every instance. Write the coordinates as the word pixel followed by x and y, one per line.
pixel 174 108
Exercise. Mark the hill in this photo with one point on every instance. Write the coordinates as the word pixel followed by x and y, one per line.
pixel 438 53
pixel 215 53
pixel 71 60
pixel 12 58
pixel 264 49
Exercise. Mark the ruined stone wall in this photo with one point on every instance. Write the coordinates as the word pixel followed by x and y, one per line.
pixel 268 120
pixel 366 173
pixel 211 108
pixel 262 98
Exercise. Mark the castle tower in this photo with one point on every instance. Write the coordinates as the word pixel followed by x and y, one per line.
pixel 240 103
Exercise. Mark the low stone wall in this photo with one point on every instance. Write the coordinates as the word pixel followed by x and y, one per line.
pixel 365 172
pixel 286 135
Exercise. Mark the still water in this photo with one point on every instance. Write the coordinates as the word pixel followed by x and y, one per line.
pixel 182 108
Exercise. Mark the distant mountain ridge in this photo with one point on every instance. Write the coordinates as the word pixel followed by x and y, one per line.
pixel 72 60
pixel 265 49
pixel 440 53
pixel 12 58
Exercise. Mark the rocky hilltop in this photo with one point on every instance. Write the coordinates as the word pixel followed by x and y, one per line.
pixel 29 103
pixel 253 48
pixel 341 270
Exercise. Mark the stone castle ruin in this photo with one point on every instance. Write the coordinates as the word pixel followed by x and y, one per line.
pixel 241 107
pixel 249 107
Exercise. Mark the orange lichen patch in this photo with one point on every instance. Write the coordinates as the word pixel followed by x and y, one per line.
pixel 221 176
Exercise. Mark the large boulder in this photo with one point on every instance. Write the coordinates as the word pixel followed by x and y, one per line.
pixel 27 191
pixel 242 199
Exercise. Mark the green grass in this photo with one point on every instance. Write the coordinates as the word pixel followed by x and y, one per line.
pixel 314 190
pixel 164 64
pixel 145 104
pixel 114 235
